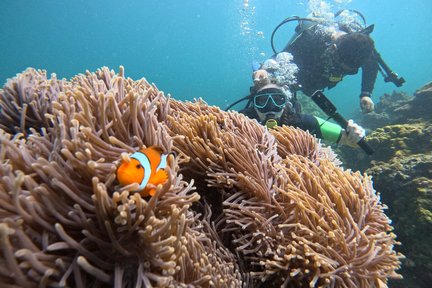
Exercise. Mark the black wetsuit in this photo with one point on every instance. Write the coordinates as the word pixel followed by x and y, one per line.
pixel 318 69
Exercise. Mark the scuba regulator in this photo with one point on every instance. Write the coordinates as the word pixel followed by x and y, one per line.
pixel 271 123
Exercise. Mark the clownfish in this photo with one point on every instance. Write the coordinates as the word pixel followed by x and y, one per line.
pixel 146 166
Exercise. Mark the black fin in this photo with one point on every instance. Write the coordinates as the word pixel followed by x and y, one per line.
pixel 368 30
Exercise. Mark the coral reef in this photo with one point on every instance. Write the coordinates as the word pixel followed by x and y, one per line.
pixel 402 171
pixel 400 108
pixel 385 112
pixel 243 207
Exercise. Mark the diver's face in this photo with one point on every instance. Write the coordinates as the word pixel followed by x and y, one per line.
pixel 263 117
pixel 269 105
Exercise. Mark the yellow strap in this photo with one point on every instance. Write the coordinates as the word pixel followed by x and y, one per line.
pixel 335 78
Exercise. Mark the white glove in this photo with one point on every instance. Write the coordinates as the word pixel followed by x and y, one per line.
pixel 352 134
pixel 366 104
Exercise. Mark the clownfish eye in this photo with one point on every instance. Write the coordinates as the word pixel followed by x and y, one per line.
pixel 138 166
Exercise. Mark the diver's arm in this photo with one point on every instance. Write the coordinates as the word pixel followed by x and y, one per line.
pixel 369 75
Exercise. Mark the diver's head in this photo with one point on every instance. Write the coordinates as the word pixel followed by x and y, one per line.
pixel 353 49
pixel 269 102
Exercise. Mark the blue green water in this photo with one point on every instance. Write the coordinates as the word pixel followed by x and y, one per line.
pixel 194 48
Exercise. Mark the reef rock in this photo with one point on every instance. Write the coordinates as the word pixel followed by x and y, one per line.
pixel 402 171
pixel 243 206
pixel 400 108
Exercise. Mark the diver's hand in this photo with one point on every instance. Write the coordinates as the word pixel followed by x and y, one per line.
pixel 352 134
pixel 260 78
pixel 366 104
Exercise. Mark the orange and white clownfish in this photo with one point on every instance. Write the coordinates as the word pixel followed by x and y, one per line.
pixel 146 166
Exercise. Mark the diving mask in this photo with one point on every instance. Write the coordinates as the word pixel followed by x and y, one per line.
pixel 278 100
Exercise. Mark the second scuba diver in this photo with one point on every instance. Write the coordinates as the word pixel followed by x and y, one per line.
pixel 323 60
pixel 271 105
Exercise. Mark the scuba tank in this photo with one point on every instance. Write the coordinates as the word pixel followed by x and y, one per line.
pixel 301 27
pixel 307 23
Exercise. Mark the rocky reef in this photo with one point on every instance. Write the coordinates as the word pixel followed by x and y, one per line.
pixel 242 207
pixel 401 133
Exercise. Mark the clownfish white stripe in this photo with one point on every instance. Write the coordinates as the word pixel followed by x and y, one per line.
pixel 145 163
pixel 163 162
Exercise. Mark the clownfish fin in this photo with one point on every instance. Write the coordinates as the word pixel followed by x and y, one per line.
pixel 160 177
pixel 147 192
pixel 152 191
pixel 152 149
pixel 157 148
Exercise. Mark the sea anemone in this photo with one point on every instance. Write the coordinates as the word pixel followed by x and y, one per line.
pixel 243 206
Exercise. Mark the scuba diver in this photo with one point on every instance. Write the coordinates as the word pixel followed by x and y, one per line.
pixel 325 52
pixel 271 105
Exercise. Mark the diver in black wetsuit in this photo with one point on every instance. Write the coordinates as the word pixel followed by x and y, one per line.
pixel 323 59
pixel 270 106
